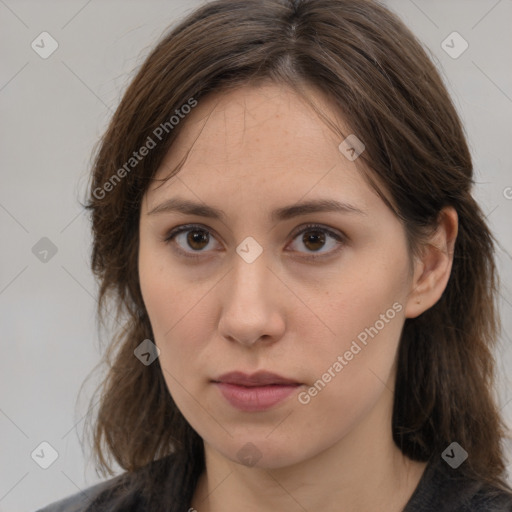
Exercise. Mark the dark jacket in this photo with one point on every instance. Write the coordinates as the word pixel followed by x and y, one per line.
pixel 441 489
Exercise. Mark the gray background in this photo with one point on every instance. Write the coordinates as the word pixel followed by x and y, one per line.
pixel 53 111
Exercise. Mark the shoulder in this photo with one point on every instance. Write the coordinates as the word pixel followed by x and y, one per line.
pixel 490 499
pixel 134 491
pixel 444 489
pixel 80 501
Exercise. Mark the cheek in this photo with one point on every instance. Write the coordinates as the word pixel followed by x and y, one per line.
pixel 352 371
pixel 157 296
pixel 161 290
pixel 364 313
pixel 170 311
pixel 174 307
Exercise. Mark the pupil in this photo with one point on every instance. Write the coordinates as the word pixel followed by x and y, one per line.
pixel 197 237
pixel 316 238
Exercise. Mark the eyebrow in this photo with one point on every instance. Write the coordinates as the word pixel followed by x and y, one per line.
pixel 186 206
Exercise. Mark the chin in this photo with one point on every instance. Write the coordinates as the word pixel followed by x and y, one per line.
pixel 264 453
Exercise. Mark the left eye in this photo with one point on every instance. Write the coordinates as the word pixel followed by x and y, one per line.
pixel 314 238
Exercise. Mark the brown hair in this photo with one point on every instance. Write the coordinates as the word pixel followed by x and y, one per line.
pixel 374 71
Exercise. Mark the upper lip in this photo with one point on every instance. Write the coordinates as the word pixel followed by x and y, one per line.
pixel 261 378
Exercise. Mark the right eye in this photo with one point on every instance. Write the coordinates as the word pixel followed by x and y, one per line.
pixel 194 236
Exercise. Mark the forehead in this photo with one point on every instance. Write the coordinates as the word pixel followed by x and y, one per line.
pixel 262 142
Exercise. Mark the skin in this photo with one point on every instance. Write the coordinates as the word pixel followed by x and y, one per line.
pixel 253 150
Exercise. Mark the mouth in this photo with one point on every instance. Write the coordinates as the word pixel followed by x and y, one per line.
pixel 256 392
pixel 258 379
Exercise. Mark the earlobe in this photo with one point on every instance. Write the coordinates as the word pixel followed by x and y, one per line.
pixel 432 270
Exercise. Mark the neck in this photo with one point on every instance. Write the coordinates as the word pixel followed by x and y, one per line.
pixel 364 471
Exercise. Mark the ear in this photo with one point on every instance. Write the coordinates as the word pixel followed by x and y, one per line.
pixel 432 269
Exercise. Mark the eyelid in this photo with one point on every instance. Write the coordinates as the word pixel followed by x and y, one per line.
pixel 311 226
pixel 337 235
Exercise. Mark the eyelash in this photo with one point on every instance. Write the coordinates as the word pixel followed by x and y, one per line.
pixel 309 227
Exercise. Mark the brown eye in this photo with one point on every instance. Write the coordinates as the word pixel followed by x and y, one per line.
pixel 191 240
pixel 315 238
pixel 198 239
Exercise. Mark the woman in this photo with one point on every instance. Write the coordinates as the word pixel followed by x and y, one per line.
pixel 282 213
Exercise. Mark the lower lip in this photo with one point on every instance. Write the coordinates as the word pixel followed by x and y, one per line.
pixel 253 399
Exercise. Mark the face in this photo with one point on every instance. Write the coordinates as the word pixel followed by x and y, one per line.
pixel 315 297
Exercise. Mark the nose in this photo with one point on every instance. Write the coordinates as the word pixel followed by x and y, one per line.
pixel 251 309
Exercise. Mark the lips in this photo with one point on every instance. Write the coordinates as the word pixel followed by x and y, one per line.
pixel 256 379
pixel 257 392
